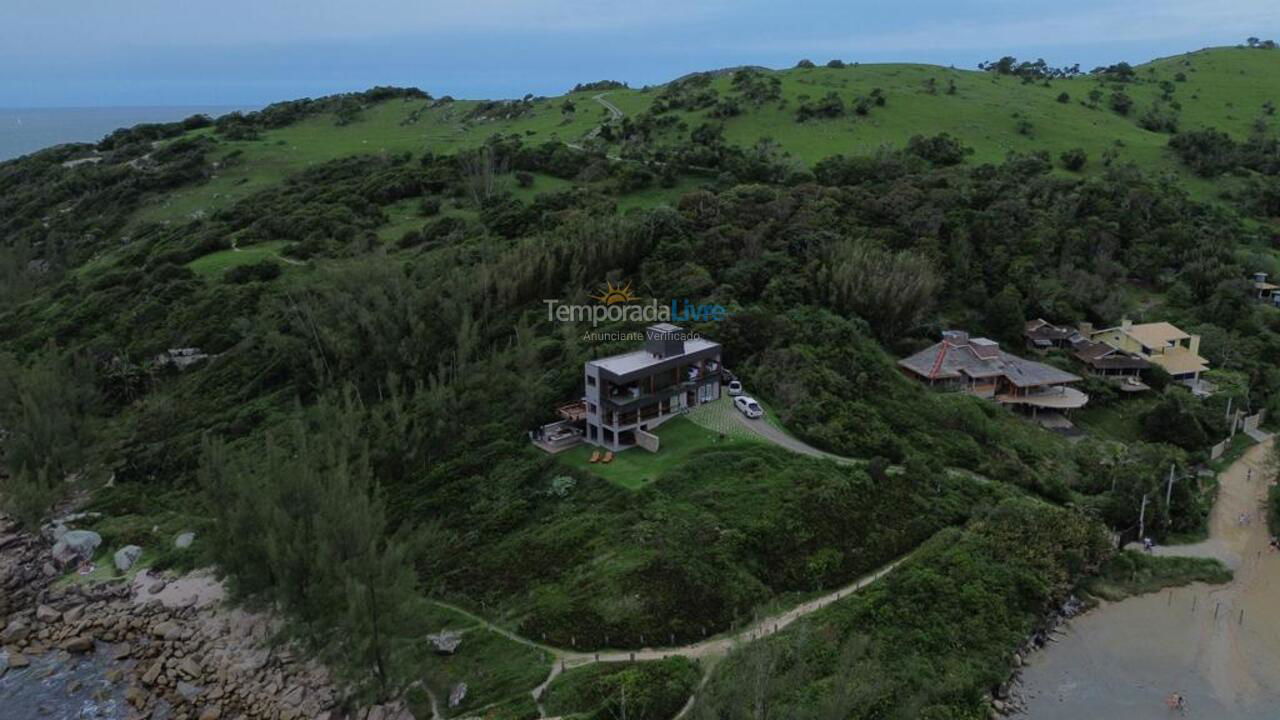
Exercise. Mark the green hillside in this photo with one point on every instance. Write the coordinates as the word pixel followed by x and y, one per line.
pixel 318 334
pixel 1224 88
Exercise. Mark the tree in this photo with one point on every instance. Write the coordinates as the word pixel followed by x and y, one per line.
pixel 1006 314
pixel 1064 97
pixel 46 408
pixel 304 524
pixel 805 63
pixel 892 291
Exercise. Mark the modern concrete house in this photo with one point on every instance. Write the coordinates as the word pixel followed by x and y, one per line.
pixel 629 395
pixel 1161 343
pixel 978 366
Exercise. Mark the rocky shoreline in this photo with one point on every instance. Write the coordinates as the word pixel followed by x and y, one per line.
pixel 1007 699
pixel 170 643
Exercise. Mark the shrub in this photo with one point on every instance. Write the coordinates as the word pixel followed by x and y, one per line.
pixel 835 64
pixel 1120 102
pixel 429 206
pixel 806 63
pixel 938 150
pixel 524 179
pixel 262 271
pixel 1064 97
pixel 1074 159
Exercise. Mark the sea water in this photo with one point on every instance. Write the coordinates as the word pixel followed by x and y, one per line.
pixel 25 130
pixel 58 686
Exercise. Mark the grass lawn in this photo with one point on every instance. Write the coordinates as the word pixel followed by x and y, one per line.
pixel 1120 420
pixel 637 468
pixel 214 264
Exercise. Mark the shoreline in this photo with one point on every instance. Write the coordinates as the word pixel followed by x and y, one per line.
pixel 1217 645
pixel 166 647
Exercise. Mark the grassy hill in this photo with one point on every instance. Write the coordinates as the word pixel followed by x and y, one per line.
pixel 1224 88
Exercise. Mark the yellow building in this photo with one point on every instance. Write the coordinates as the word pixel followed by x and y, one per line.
pixel 1162 343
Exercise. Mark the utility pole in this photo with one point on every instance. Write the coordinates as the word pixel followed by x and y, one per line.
pixel 1142 519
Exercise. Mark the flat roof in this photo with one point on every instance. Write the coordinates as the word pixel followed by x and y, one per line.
pixel 630 362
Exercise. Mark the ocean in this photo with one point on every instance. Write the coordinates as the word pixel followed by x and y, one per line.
pixel 25 130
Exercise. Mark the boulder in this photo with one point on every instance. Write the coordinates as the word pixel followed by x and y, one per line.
pixel 15 632
pixel 135 696
pixel 188 691
pixel 76 546
pixel 213 712
pixel 189 667
pixel 167 630
pixel 73 614
pixel 4 664
pixel 77 644
pixel 126 556
pixel 184 540
pixel 47 615
pixel 18 660
pixel 156 587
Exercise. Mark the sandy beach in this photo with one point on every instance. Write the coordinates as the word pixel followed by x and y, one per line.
pixel 1217 645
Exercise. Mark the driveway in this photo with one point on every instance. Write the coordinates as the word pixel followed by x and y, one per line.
pixel 721 416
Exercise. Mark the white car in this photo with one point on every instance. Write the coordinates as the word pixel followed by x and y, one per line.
pixel 735 388
pixel 748 406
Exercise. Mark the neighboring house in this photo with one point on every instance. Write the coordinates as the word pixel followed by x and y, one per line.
pixel 1264 291
pixel 978 366
pixel 1043 335
pixel 1106 361
pixel 1099 358
pixel 629 395
pixel 1161 343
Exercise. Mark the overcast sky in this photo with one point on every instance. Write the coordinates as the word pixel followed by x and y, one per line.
pixel 242 52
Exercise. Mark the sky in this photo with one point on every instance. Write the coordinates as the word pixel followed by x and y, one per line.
pixel 91 53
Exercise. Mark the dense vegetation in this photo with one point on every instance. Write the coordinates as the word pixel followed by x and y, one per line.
pixel 639 691
pixel 927 641
pixel 373 345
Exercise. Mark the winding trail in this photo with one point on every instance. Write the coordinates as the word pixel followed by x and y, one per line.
pixel 712 648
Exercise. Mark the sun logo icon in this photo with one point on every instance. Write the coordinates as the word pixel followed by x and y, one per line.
pixel 615 294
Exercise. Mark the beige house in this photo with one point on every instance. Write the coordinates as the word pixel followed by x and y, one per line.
pixel 1162 343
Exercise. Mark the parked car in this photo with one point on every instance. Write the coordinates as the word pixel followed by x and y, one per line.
pixel 735 388
pixel 748 406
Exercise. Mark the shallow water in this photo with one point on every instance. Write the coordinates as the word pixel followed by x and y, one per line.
pixel 1219 646
pixel 60 687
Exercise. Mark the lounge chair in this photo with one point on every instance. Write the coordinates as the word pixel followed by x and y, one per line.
pixel 608 457
pixel 595 457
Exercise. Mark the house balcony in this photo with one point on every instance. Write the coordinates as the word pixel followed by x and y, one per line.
pixel 1057 397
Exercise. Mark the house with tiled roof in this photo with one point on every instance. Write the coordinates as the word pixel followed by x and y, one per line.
pixel 978 366
pixel 1161 343
pixel 1098 358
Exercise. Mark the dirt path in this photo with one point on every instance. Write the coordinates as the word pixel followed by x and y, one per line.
pixel 1217 645
pixel 712 648
pixel 235 247
pixel 615 113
